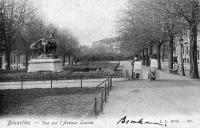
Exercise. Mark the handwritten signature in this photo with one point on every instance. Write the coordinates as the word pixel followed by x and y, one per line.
pixel 124 120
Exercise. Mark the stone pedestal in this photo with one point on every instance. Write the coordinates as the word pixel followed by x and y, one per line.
pixel 45 64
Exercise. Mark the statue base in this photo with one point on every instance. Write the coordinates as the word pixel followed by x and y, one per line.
pixel 45 64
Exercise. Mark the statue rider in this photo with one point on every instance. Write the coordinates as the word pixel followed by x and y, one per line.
pixel 46 45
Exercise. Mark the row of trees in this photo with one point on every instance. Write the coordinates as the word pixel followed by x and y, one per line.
pixel 147 23
pixel 99 54
pixel 20 25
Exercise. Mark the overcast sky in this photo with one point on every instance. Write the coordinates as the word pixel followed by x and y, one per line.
pixel 89 20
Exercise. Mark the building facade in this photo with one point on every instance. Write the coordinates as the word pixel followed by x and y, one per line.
pixel 17 60
pixel 110 45
pixel 184 40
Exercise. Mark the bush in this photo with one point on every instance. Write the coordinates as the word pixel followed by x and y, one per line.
pixel 91 66
pixel 35 76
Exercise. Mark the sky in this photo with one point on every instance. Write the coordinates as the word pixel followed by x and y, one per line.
pixel 89 20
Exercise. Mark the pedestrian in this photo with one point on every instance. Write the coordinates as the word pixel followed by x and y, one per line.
pixel 132 64
pixel 129 70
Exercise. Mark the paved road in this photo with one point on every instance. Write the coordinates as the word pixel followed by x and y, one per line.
pixel 173 97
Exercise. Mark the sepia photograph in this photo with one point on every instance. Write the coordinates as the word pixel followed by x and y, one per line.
pixel 99 63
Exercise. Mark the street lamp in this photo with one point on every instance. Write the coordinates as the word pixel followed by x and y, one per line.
pixel 181 53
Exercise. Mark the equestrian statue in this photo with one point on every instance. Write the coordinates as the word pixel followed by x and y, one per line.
pixel 44 46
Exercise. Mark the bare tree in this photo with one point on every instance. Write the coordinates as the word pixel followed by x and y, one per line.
pixel 30 32
pixel 151 22
pixel 14 15
pixel 68 45
pixel 189 10
pixel 143 29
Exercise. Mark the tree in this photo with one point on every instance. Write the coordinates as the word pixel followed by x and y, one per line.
pixel 30 32
pixel 131 29
pixel 68 45
pixel 172 25
pixel 143 29
pixel 14 15
pixel 151 22
pixel 189 10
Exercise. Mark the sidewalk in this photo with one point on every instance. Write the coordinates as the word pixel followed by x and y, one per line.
pixel 152 101
pixel 173 97
pixel 164 66
pixel 164 75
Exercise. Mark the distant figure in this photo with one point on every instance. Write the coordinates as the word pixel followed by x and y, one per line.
pixel 176 65
pixel 153 64
pixel 130 69
pixel 136 58
pixel 132 63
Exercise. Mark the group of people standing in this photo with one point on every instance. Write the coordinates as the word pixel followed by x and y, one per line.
pixel 153 65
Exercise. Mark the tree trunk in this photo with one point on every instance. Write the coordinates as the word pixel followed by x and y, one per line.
pixel 63 60
pixel 171 48
pixel 163 53
pixel 69 59
pixel 194 74
pixel 147 57
pixel 8 53
pixel 150 50
pixel 26 63
pixel 182 64
pixel 140 55
pixel 158 55
pixel 143 57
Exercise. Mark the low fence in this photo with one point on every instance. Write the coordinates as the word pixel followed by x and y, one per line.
pixel 13 71
pixel 58 76
pixel 104 85
pixel 53 81
pixel 101 98
pixel 34 76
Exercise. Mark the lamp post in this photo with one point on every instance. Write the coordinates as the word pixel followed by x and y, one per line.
pixel 181 55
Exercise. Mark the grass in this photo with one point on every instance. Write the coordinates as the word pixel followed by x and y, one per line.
pixel 62 102
pixel 92 66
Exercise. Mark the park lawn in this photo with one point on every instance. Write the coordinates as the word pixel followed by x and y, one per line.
pixel 60 102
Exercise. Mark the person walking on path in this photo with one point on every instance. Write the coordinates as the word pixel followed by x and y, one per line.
pixel 130 69
pixel 132 64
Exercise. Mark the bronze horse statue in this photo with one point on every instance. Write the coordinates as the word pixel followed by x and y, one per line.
pixel 44 46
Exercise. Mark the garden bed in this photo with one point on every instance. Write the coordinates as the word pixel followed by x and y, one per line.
pixel 92 66
pixel 114 74
pixel 92 70
pixel 36 76
pixel 64 102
